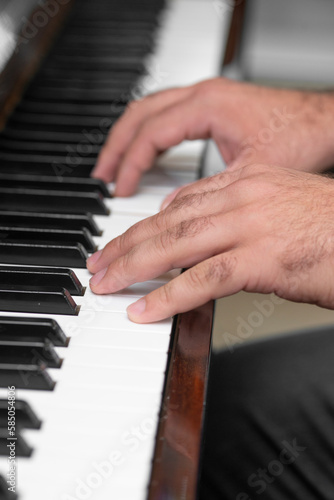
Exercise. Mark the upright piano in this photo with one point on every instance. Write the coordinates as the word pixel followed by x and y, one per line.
pixel 93 406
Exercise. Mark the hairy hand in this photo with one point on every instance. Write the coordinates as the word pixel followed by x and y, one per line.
pixel 257 228
pixel 249 123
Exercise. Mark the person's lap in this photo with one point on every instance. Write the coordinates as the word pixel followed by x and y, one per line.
pixel 270 420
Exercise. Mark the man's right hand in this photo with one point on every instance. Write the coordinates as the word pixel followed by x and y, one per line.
pixel 258 228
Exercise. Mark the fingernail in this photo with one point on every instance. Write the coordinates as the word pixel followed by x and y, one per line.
pixel 94 258
pixel 137 308
pixel 95 280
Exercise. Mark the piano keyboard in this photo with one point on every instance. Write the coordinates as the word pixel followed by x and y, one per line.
pixel 88 381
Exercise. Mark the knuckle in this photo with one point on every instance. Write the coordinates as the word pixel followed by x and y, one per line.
pixel 166 293
pixel 121 242
pixel 196 277
pixel 192 227
pixel 165 242
pixel 209 88
pixel 123 267
pixel 255 169
pixel 130 236
pixel 219 268
pixel 160 221
pixel 187 200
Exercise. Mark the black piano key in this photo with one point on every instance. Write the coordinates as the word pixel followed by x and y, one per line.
pixel 81 185
pixel 26 134
pixel 25 417
pixel 64 123
pixel 52 254
pixel 34 330
pixel 30 355
pixel 34 200
pixel 50 221
pixel 22 449
pixel 112 24
pixel 37 278
pixel 128 32
pixel 58 168
pixel 26 377
pixel 31 235
pixel 80 93
pixel 110 40
pixel 80 53
pixel 42 302
pixel 56 108
pixel 73 73
pixel 119 59
pixel 5 494
pixel 121 13
pixel 89 151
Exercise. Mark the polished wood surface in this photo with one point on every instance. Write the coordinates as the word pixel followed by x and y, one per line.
pixel 235 33
pixel 178 445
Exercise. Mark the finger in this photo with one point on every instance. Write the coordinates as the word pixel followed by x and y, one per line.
pixel 216 277
pixel 184 120
pixel 123 132
pixel 181 211
pixel 169 250
pixel 223 179
pixel 211 183
pixel 207 184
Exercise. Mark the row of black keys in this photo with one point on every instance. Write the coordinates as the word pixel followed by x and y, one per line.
pixel 40 290
pixel 78 94
pixel 52 226
pixel 26 350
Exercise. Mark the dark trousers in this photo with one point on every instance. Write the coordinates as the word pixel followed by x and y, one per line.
pixel 269 430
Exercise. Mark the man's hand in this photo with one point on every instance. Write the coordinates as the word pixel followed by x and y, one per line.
pixel 257 228
pixel 249 123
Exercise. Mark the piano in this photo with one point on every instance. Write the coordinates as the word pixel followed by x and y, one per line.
pixel 104 408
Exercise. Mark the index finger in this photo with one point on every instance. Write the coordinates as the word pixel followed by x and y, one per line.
pixel 125 129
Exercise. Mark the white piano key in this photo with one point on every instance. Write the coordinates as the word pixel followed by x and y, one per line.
pixel 109 378
pixel 121 340
pixel 140 203
pixel 202 36
pixel 63 397
pixel 117 302
pixel 82 444
pixel 100 320
pixel 106 477
pixel 162 177
pixel 106 320
pixel 109 356
pixel 121 222
pixel 75 409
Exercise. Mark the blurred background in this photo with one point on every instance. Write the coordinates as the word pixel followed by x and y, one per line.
pixel 288 43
